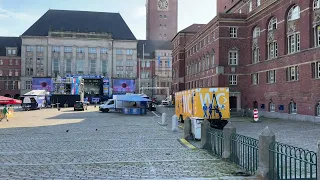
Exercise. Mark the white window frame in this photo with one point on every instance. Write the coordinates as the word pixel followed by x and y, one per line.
pixel 55 48
pixel 316 4
pixel 16 73
pixel 293 108
pixel 255 78
pixel 294 13
pixel 233 80
pixel 233 32
pixel 256 32
pixel 10 72
pixel 317 35
pixel 293 73
pixel 316 70
pixel 258 3
pixel 273 24
pixel 1 73
pixel 250 5
pixel 271 76
pixel 294 43
pixel 212 60
pixel 28 85
pixel 13 85
pixel 273 50
pixel 233 61
pixel 256 55
pixel 272 107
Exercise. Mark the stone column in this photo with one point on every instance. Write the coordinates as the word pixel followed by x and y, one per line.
pixel 265 139
pixel 228 130
pixel 49 60
pixel 62 62
pixel 187 129
pixel 74 62
pixel 86 61
pixel 205 136
pixel 98 62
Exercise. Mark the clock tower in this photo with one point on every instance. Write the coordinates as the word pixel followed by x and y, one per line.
pixel 162 19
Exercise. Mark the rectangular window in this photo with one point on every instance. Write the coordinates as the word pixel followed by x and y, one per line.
pixel 103 51
pixel 16 73
pixel 256 55
pixel 148 64
pixel 104 66
pixel 10 72
pixel 13 85
pixel 255 78
pixel 9 52
pixel 29 71
pixel 258 3
pixel 68 49
pixel 10 62
pixel 292 73
pixel 92 66
pixel 69 66
pixel 233 57
pixel 233 80
pixel 317 35
pixel 273 50
pixel 55 49
pixel 29 48
pixel 80 66
pixel 56 66
pixel 40 61
pixel 315 70
pixel 40 48
pixel 17 62
pixel 28 85
pixel 6 85
pixel 233 32
pixel 119 51
pixel 129 52
pixel 92 50
pixel 294 43
pixel 80 50
pixel 271 76
pixel 250 5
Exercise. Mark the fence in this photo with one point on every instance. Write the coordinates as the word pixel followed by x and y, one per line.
pixel 275 160
pixel 289 162
pixel 216 141
pixel 244 152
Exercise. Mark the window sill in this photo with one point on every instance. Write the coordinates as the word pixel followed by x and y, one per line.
pixel 271 83
pixel 293 81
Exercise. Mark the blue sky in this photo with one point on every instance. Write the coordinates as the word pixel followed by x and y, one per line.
pixel 16 16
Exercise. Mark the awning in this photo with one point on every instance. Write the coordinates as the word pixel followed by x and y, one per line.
pixel 6 100
pixel 132 98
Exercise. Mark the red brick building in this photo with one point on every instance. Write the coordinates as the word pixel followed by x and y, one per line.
pixel 10 66
pixel 266 51
pixel 162 19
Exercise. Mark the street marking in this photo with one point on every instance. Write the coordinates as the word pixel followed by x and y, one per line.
pixel 186 143
pixel 155 114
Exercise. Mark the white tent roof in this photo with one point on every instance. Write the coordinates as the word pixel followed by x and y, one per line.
pixel 36 93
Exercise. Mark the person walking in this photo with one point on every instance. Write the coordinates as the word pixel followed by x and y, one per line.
pixel 5 113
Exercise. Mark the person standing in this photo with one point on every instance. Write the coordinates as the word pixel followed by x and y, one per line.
pixel 5 113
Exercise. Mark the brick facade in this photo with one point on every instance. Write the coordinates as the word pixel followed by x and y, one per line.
pixel 295 92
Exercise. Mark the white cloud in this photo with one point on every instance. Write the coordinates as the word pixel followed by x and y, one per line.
pixel 4 13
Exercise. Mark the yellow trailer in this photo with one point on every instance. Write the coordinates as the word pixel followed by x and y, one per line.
pixel 207 103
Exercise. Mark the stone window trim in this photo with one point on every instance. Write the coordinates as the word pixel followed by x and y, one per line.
pixel 233 56
pixel 292 73
pixel 233 31
pixel 233 80
pixel 271 76
pixel 293 42
pixel 273 24
pixel 293 107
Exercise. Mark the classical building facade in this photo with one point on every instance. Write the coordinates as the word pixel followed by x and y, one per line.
pixel 155 67
pixel 56 46
pixel 162 19
pixel 10 66
pixel 266 51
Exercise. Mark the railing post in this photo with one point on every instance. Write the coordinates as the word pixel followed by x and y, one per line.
pixel 205 135
pixel 265 139
pixel 187 129
pixel 228 130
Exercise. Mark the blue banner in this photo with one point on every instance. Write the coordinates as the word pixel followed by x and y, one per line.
pixel 168 61
pixel 159 60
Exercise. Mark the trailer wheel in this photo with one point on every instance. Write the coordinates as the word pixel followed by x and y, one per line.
pixel 181 118
pixel 106 110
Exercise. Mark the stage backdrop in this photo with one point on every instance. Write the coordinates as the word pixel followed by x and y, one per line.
pixel 42 84
pixel 122 86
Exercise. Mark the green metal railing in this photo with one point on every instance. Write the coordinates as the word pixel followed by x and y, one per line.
pixel 289 162
pixel 216 141
pixel 244 152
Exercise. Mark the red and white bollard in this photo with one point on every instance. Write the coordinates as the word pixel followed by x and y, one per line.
pixel 255 115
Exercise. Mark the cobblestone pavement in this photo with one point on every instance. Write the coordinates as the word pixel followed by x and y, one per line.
pixel 51 144
pixel 295 133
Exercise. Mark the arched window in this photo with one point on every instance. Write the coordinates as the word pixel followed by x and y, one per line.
pixel 294 13
pixel 318 109
pixel 293 35
pixel 272 107
pixel 316 4
pixel 256 32
pixel 292 107
pixel 272 24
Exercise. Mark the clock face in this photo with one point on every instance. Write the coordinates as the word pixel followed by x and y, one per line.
pixel 163 5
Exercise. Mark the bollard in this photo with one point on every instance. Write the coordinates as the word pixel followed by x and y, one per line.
pixel 164 116
pixel 174 123
pixel 255 115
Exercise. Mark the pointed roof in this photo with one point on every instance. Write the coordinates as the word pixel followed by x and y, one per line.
pixel 83 22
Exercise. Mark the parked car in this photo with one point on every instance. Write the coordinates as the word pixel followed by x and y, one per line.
pixel 78 105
